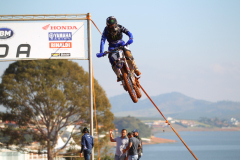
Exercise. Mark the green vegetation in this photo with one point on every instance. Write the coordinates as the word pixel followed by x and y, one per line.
pixel 215 122
pixel 131 123
pixel 43 97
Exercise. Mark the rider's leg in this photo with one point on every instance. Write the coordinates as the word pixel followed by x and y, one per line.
pixel 129 56
pixel 116 71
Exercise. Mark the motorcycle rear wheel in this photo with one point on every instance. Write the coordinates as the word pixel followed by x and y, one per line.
pixel 130 87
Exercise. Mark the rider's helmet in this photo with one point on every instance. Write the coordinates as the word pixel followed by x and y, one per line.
pixel 112 24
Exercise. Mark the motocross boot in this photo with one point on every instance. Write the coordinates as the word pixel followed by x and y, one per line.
pixel 129 56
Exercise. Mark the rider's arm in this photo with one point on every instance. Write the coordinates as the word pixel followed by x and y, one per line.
pixel 103 39
pixel 126 31
pixel 129 35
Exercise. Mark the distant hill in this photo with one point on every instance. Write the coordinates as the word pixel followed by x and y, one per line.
pixel 174 105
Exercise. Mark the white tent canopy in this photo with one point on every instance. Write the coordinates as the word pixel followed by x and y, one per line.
pixel 60 144
pixel 70 143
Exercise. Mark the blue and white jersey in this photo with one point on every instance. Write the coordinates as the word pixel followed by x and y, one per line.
pixel 114 39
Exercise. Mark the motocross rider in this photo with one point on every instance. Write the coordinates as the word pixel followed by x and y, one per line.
pixel 113 33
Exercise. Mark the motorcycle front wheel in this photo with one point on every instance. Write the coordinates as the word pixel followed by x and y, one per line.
pixel 138 92
pixel 130 87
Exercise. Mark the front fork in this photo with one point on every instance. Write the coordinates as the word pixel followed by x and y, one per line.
pixel 130 74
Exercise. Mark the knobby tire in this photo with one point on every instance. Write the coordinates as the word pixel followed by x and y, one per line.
pixel 138 92
pixel 130 90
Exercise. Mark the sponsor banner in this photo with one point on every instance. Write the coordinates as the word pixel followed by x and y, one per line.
pixel 60 45
pixel 59 36
pixel 55 54
pixel 5 33
pixel 61 54
pixel 41 40
pixel 65 54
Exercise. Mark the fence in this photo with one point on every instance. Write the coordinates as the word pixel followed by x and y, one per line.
pixel 11 155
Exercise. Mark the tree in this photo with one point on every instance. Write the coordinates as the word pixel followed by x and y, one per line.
pixel 131 123
pixel 44 97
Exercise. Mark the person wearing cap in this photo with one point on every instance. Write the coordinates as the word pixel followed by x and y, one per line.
pixel 136 135
pixel 87 144
pixel 122 142
pixel 133 145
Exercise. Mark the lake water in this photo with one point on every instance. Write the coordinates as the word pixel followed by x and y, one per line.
pixel 218 145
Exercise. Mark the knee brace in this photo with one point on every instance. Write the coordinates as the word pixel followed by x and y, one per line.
pixel 128 54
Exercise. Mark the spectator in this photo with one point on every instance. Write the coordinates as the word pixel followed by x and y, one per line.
pixel 122 142
pixel 132 147
pixel 140 150
pixel 87 144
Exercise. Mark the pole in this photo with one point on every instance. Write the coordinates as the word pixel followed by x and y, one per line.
pixel 90 77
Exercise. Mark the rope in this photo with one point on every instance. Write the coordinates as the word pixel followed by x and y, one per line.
pixel 169 123
pixel 88 17
pixel 94 103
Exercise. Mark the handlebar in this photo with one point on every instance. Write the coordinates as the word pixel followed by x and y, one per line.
pixel 115 49
pixel 107 52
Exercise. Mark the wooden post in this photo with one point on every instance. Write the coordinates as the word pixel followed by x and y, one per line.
pixel 90 77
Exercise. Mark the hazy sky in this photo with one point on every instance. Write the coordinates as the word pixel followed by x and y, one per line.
pixel 192 47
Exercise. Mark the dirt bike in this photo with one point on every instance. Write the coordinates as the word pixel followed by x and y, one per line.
pixel 129 80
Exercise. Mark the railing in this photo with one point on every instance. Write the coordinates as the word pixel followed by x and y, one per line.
pixel 30 156
pixel 43 17
pixel 8 155
pixel 63 157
